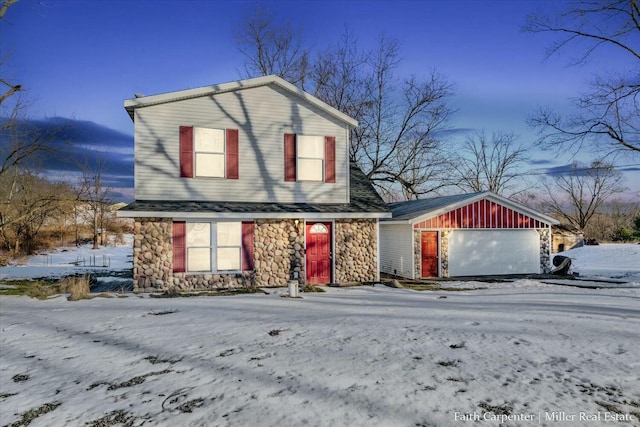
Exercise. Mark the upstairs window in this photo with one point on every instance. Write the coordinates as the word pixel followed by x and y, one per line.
pixel 208 153
pixel 309 158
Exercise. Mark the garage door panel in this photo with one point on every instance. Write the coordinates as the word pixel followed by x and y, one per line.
pixel 487 252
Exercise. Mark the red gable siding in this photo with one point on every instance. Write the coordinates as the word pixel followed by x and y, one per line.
pixel 481 214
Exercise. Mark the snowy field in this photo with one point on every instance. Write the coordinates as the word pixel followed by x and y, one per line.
pixel 108 264
pixel 524 353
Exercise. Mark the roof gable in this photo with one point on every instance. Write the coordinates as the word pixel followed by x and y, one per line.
pixel 474 210
pixel 144 101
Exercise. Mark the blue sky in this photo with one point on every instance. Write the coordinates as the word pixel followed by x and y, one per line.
pixel 80 59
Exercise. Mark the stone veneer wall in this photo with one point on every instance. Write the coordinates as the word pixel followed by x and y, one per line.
pixel 545 250
pixel 153 262
pixel 444 253
pixel 278 256
pixel 417 254
pixel 152 254
pixel 278 252
pixel 356 257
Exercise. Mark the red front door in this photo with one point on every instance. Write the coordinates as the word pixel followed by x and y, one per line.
pixel 318 263
pixel 429 245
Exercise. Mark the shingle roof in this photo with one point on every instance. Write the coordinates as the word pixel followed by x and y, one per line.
pixel 414 208
pixel 364 199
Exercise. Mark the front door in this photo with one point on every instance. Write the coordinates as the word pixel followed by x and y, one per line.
pixel 429 246
pixel 318 263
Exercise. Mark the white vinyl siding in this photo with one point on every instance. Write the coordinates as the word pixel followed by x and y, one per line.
pixel 487 252
pixel 396 249
pixel 208 147
pixel 262 116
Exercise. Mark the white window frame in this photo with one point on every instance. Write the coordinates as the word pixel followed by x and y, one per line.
pixel 201 132
pixel 213 247
pixel 302 161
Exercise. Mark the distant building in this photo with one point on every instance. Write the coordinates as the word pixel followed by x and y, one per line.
pixel 565 237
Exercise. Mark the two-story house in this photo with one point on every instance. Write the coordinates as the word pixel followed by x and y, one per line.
pixel 248 183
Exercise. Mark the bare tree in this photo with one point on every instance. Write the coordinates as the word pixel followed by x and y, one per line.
pixel 579 194
pixel 607 114
pixel 395 143
pixel 8 89
pixel 271 47
pixel 615 214
pixel 96 197
pixel 33 201
pixel 495 164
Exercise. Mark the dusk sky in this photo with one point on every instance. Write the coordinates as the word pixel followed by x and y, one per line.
pixel 80 59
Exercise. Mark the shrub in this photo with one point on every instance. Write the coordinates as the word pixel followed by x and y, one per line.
pixel 622 234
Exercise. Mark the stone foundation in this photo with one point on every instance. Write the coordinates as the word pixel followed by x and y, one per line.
pixel 356 242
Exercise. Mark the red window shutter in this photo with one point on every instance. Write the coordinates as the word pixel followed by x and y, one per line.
pixel 247 246
pixel 179 247
pixel 232 153
pixel 186 151
pixel 289 156
pixel 329 159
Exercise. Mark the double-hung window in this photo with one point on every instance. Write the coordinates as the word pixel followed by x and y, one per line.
pixel 310 151
pixel 209 153
pixel 309 158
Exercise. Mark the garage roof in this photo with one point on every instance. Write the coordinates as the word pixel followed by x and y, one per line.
pixel 414 211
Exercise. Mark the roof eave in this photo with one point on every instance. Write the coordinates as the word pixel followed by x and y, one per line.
pixel 252 215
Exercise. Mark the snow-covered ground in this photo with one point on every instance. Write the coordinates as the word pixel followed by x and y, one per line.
pixel 107 264
pixel 529 352
pixel 616 261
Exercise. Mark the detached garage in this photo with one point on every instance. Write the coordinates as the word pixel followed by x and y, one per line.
pixel 476 234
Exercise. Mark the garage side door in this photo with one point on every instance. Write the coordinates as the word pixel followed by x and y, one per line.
pixel 488 252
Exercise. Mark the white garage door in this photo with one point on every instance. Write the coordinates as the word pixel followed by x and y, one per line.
pixel 486 252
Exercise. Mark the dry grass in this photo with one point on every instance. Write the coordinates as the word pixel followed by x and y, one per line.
pixel 76 286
